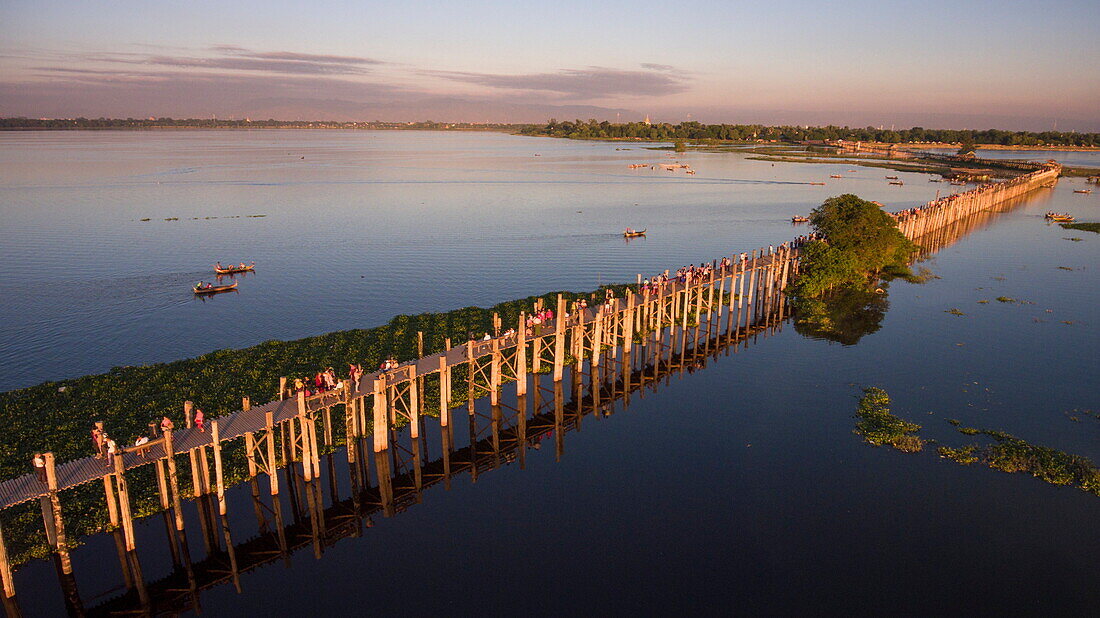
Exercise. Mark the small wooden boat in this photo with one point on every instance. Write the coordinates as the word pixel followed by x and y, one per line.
pixel 632 234
pixel 835 176
pixel 214 289
pixel 232 270
pixel 891 178
pixel 896 182
pixel 1085 191
pixel 798 219
pixel 820 184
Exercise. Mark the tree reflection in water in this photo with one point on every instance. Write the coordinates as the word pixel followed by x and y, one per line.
pixel 844 316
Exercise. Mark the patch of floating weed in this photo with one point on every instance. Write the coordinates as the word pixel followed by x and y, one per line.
pixel 954 312
pixel 964 455
pixel 1064 268
pixel 983 302
pixel 1007 453
pixel 146 219
pixel 1005 299
pixel 1074 238
pixel 879 427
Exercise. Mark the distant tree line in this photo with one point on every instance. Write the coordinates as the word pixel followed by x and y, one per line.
pixel 699 132
pixel 215 123
pixel 696 132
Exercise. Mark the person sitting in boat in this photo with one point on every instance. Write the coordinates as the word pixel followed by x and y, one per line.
pixel 629 230
pixel 218 266
pixel 242 267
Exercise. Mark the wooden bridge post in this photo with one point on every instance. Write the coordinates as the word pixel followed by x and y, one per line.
pixel 659 318
pixel 314 446
pixel 494 374
pixel 381 429
pixel 51 516
pixel 282 388
pixel 250 453
pixel 414 404
pixel 173 479
pixel 112 502
pixel 521 355
pixel 272 471
pixel 307 446
pixel 684 310
pixel 559 339
pixel 7 583
pixel 750 302
pixel 628 323
pixel 740 296
pixel 471 362
pixel 219 480
pixel 444 392
pixel 124 502
pixel 597 338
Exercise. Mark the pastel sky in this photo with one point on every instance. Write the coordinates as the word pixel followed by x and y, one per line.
pixel 973 64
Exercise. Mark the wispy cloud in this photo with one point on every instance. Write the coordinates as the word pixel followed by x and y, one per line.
pixel 233 58
pixel 296 57
pixel 578 84
pixel 668 68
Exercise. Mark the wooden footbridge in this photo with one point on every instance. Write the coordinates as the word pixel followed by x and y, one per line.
pixel 503 437
pixel 744 295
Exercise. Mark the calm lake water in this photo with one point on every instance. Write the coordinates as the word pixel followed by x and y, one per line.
pixel 737 487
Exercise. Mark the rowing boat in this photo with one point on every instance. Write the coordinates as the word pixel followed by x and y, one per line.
pixel 232 270
pixel 798 219
pixel 214 289
pixel 633 234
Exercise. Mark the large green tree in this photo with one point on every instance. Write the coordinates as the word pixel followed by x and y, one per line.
pixel 859 241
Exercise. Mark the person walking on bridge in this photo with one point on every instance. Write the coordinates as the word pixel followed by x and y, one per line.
pixel 40 467
pixel 97 441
